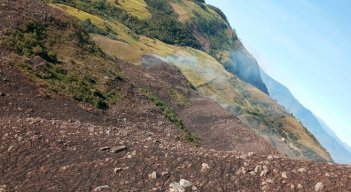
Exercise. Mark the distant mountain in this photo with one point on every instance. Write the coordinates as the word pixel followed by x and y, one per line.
pixel 339 151
pixel 331 133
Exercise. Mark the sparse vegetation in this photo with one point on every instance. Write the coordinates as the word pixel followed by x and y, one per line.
pixel 179 98
pixel 216 31
pixel 91 28
pixel 29 40
pixel 220 12
pixel 162 24
pixel 171 115
pixel 40 48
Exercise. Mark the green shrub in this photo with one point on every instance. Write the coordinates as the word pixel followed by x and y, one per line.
pixel 219 11
pixel 172 116
pixel 214 30
pixel 162 25
pixel 29 40
pixel 34 39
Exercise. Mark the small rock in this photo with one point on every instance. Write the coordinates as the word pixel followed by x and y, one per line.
pixel 265 167
pixel 100 188
pixel 153 175
pixel 292 186
pixel 299 186
pixel 284 175
pixel 117 169
pixel 252 173
pixel 176 187
pixel 2 94
pixel 264 188
pixel 2 188
pixel 205 167
pixel 10 148
pixel 104 148
pixel 269 180
pixel 125 168
pixel 185 183
pixel 242 170
pixel 257 168
pixel 117 149
pixel 194 188
pixel 302 170
pixel 263 173
pixel 134 153
pixel 165 174
pixel 327 174
pixel 270 157
pixel 319 186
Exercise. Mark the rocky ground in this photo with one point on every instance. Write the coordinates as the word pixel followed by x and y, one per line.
pixel 53 143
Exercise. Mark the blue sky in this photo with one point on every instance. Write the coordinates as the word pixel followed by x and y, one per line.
pixel 305 45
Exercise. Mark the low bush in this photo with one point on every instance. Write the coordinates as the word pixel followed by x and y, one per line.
pixel 29 40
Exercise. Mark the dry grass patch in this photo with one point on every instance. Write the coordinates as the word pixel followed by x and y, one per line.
pixel 136 8
pixel 121 50
pixel 295 127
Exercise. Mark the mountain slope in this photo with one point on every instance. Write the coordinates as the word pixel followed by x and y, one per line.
pixel 129 38
pixel 210 27
pixel 143 126
pixel 326 137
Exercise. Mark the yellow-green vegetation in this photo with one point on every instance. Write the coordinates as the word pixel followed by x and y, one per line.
pixel 172 116
pixel 134 7
pixel 183 13
pixel 81 15
pixel 179 97
pixel 120 49
pixel 305 139
pixel 191 8
pixel 162 24
pixel 208 23
pixel 65 60
pixel 257 110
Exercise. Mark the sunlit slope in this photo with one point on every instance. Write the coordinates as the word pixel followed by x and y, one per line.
pixel 136 8
pixel 209 77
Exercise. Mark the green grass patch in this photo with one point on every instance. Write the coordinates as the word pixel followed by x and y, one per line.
pixel 79 72
pixel 172 116
pixel 29 40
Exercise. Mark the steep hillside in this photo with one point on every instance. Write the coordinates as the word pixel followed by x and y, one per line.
pixel 130 38
pixel 210 27
pixel 325 136
pixel 87 104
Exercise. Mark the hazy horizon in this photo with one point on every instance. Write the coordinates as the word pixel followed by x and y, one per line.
pixel 304 45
